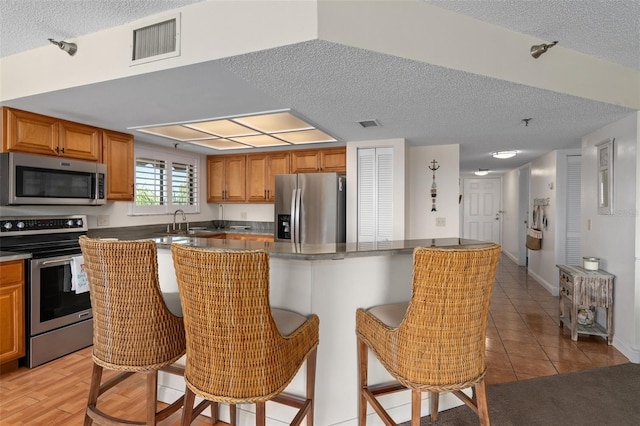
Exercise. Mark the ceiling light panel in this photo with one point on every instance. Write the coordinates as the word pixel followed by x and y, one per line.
pixel 306 136
pixel 223 128
pixel 273 123
pixel 260 140
pixel 220 144
pixel 177 132
pixel 247 131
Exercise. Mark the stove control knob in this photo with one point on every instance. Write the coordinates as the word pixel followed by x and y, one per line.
pixel 20 225
pixel 79 223
pixel 70 222
pixel 7 225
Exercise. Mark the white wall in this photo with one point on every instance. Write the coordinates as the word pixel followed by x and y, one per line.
pixel 613 238
pixel 542 262
pixel 422 221
pixel 511 216
pixel 205 35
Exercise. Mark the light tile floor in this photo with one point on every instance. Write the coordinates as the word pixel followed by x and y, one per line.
pixel 524 339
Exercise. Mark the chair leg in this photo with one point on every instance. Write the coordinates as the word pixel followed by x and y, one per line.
pixel 187 407
pixel 94 392
pixel 233 415
pixel 261 416
pixel 434 398
pixel 416 405
pixel 152 396
pixel 481 401
pixel 311 384
pixel 363 360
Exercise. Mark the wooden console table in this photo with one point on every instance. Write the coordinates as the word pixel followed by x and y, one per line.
pixel 582 288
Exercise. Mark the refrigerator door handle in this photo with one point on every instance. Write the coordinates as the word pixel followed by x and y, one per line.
pixel 293 216
pixel 296 217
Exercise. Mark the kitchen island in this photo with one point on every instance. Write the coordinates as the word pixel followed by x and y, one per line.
pixel 332 281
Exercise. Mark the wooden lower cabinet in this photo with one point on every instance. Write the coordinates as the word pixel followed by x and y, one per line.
pixel 12 319
pixel 249 237
pixel 243 237
pixel 117 154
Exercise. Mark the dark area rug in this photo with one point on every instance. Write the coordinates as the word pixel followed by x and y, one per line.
pixel 601 396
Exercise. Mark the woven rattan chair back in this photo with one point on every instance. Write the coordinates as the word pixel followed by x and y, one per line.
pixel 439 346
pixel 132 327
pixel 133 330
pixel 235 353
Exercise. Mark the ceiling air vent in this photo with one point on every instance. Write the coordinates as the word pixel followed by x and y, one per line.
pixel 156 41
pixel 369 123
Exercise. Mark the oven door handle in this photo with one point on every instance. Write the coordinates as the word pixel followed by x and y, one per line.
pixel 48 262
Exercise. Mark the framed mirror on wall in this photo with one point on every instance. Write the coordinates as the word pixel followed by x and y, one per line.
pixel 605 176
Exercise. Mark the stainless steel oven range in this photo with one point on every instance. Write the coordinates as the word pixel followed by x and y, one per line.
pixel 59 321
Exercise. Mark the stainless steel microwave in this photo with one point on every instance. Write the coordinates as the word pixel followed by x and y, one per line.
pixel 28 179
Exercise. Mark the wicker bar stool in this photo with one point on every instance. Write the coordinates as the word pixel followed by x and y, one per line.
pixel 436 342
pixel 239 349
pixel 133 330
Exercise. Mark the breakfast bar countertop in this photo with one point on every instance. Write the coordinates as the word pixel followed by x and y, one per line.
pixel 319 251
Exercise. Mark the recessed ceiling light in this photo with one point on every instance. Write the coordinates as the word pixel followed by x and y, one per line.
pixel 481 172
pixel 504 154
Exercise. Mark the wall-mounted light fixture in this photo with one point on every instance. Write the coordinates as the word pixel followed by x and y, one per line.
pixel 503 154
pixel 539 49
pixel 70 48
pixel 481 172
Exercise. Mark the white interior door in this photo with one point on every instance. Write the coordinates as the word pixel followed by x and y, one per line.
pixel 482 219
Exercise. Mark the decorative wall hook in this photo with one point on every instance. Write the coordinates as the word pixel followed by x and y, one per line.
pixel 434 188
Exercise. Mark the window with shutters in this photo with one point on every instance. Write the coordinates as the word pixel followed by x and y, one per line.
pixel 165 182
pixel 375 194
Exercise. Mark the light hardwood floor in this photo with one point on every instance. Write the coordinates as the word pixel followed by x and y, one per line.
pixel 523 341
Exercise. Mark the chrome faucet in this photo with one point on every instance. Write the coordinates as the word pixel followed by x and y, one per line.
pixel 184 218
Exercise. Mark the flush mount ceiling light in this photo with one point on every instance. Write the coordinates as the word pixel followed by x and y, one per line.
pixel 504 154
pixel 70 48
pixel 275 128
pixel 539 49
pixel 481 172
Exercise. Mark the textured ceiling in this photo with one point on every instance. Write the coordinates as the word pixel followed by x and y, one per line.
pixel 335 86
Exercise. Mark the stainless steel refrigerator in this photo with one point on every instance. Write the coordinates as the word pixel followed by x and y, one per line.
pixel 310 208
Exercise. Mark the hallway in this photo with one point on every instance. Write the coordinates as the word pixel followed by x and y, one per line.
pixel 523 336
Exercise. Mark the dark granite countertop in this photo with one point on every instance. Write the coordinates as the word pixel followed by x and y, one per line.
pixel 5 256
pixel 319 251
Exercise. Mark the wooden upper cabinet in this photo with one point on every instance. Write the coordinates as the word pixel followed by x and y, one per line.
pixel 12 318
pixel 319 160
pixel 24 131
pixel 117 154
pixel 32 133
pixel 333 160
pixel 79 141
pixel 226 178
pixel 261 171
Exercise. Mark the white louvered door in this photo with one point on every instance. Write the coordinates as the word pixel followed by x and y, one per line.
pixel 375 195
pixel 573 210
